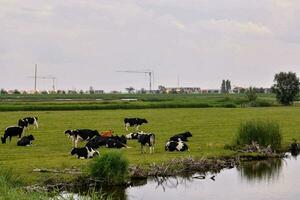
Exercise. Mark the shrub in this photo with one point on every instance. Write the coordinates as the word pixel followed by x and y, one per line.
pixel 111 167
pixel 263 132
pixel 251 94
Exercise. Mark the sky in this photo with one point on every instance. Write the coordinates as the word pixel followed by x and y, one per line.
pixel 200 42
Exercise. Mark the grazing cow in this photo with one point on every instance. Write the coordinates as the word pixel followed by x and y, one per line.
pixel 11 132
pixel 134 122
pixel 181 137
pixel 81 135
pixel 147 139
pixel 25 122
pixel 108 133
pixel 26 141
pixel 176 146
pixel 134 135
pixel 85 152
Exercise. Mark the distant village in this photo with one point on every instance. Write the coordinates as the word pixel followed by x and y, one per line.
pixel 131 90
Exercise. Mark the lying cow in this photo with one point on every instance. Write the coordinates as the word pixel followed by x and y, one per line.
pixel 108 133
pixel 27 121
pixel 96 142
pixel 110 142
pixel 12 131
pixel 26 140
pixel 176 146
pixel 130 122
pixel 181 137
pixel 81 135
pixel 85 152
pixel 116 142
pixel 147 139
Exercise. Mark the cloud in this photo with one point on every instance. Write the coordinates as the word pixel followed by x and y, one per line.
pixel 83 42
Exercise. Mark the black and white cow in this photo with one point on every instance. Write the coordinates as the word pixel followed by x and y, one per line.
pixel 81 135
pixel 97 142
pixel 85 152
pixel 26 140
pixel 130 122
pixel 110 142
pixel 134 135
pixel 27 121
pixel 11 132
pixel 115 142
pixel 181 137
pixel 176 146
pixel 147 139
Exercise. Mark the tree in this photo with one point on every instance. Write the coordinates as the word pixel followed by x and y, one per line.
pixel 3 91
pixel 228 86
pixel 286 87
pixel 91 90
pixel 251 94
pixel 130 90
pixel 223 87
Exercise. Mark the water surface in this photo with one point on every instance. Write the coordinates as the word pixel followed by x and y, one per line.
pixel 273 179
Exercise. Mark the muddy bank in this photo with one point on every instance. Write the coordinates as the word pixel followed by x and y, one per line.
pixel 175 167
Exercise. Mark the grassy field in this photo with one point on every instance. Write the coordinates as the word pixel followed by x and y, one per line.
pixel 116 101
pixel 212 128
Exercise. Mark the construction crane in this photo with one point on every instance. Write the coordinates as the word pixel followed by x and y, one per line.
pixel 42 77
pixel 150 73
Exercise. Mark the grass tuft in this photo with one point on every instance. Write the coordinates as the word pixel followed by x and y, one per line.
pixel 263 132
pixel 112 167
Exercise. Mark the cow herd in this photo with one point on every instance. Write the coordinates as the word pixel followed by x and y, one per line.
pixel 94 140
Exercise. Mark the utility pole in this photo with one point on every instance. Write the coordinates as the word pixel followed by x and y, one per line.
pixel 35 77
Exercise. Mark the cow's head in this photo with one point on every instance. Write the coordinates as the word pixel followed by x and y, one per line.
pixel 188 134
pixel 144 121
pixel 30 137
pixel 74 151
pixel 69 132
pixel 3 140
pixel 167 146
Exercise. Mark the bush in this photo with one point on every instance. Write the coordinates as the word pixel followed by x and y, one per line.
pixel 263 132
pixel 111 167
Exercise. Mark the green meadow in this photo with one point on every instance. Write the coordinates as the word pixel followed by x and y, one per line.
pixel 212 128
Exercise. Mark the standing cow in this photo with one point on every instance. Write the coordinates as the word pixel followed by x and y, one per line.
pixel 12 131
pixel 131 122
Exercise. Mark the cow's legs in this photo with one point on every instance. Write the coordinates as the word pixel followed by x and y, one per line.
pixel 137 127
pixel 126 126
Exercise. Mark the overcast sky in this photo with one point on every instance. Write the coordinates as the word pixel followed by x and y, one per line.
pixel 83 43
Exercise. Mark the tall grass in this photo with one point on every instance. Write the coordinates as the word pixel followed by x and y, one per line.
pixel 10 187
pixel 111 167
pixel 261 131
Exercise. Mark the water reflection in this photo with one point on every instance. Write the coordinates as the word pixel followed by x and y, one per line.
pixel 266 170
pixel 274 179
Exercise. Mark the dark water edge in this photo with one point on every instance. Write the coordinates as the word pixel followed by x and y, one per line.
pixel 274 179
